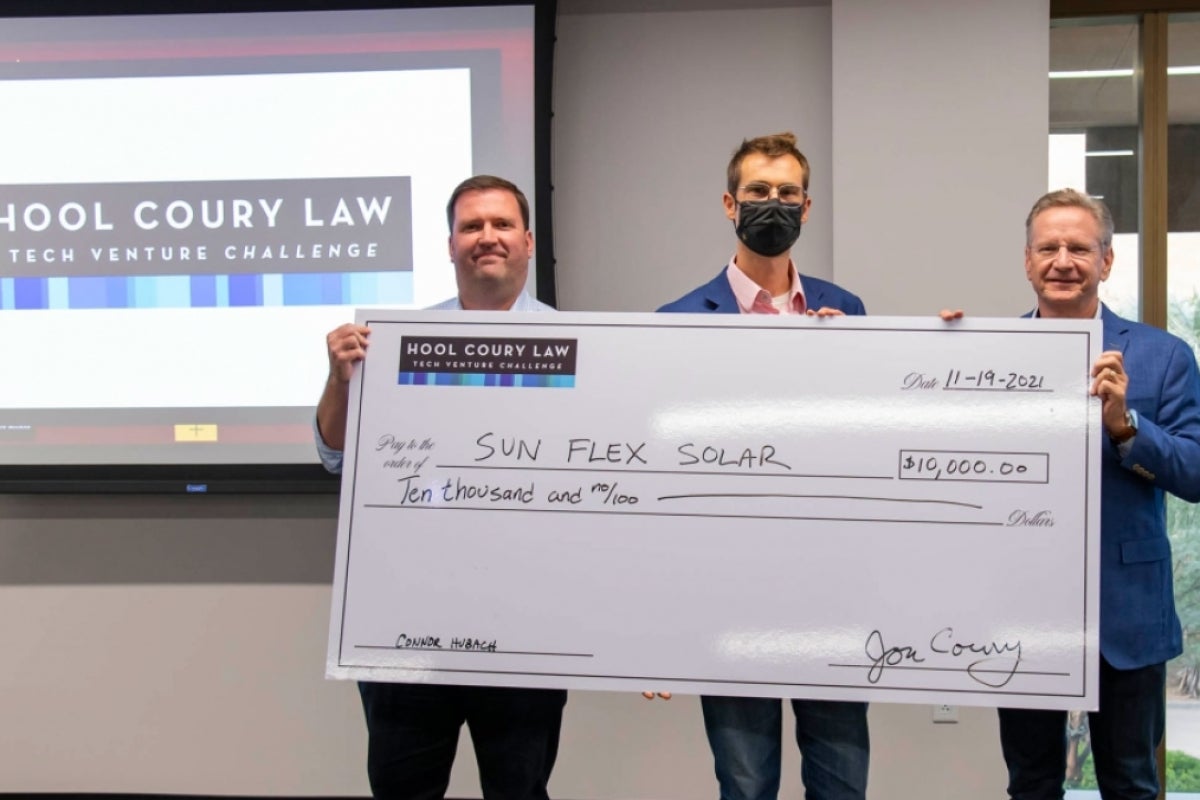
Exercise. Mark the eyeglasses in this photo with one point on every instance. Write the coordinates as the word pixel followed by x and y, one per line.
pixel 789 193
pixel 1075 250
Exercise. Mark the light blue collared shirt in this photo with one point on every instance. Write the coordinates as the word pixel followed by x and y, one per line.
pixel 332 459
pixel 523 303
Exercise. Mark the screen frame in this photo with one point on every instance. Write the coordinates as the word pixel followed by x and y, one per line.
pixel 273 478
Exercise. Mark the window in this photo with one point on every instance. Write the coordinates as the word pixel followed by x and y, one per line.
pixel 1125 127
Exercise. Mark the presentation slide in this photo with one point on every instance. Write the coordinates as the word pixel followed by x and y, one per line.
pixel 188 203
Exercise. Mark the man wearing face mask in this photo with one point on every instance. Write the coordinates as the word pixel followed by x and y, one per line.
pixel 767 200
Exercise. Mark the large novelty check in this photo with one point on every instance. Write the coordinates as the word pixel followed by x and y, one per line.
pixel 888 509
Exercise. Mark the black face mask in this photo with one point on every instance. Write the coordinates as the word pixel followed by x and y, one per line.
pixel 768 227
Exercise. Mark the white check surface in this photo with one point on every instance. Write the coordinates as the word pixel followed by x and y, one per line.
pixel 883 509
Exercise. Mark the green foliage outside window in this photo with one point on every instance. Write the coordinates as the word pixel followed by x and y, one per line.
pixel 1183 773
pixel 1183 527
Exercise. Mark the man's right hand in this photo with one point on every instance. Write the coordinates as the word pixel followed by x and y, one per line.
pixel 347 345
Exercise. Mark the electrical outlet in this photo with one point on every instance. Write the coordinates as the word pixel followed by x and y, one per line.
pixel 945 713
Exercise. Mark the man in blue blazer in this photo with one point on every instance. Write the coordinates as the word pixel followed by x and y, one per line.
pixel 717 296
pixel 767 200
pixel 1149 386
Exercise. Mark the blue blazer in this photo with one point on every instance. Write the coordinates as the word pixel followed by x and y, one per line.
pixel 717 296
pixel 1138 623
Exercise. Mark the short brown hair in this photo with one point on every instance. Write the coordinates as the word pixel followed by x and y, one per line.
pixel 773 145
pixel 1071 198
pixel 480 183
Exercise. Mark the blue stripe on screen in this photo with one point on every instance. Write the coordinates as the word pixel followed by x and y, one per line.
pixel 206 291
pixel 203 290
pixel 245 290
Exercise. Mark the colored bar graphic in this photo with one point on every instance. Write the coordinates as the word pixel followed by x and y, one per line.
pixel 482 379
pixel 207 291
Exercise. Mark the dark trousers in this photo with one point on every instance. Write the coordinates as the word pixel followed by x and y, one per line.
pixel 1125 735
pixel 413 736
pixel 745 736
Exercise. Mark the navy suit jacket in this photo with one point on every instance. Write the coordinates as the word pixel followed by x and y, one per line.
pixel 717 296
pixel 1138 623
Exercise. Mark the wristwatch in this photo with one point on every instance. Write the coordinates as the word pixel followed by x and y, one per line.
pixel 1131 428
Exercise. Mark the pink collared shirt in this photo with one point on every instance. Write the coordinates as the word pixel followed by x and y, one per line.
pixel 753 299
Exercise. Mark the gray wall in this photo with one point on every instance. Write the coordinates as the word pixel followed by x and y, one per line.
pixel 177 644
pixel 648 109
pixel 940 148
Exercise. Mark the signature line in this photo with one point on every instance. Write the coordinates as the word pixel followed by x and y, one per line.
pixel 452 650
pixel 958 669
